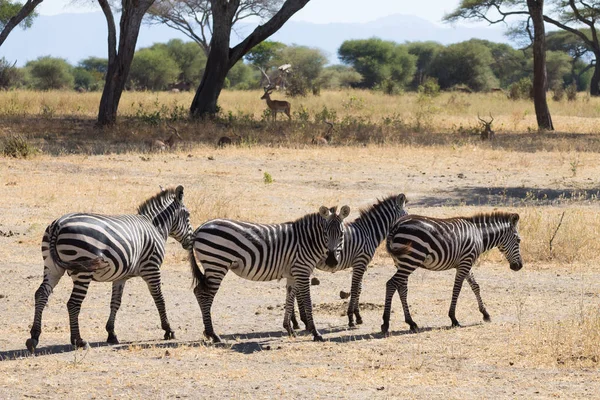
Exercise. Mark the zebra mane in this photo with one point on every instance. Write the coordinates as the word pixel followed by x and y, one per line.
pixel 160 197
pixel 496 215
pixel 311 215
pixel 364 212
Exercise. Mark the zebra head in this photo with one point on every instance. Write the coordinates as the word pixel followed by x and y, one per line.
pixel 334 232
pixel 181 229
pixel 510 244
pixel 401 203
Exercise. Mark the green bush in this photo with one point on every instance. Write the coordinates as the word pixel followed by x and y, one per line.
pixel 571 92
pixel 522 89
pixel 430 87
pixel 153 69
pixel 49 73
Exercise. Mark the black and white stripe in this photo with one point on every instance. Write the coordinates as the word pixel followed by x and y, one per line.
pixel 361 239
pixel 261 252
pixel 442 244
pixel 102 248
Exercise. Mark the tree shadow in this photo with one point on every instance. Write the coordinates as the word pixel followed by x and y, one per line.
pixel 509 196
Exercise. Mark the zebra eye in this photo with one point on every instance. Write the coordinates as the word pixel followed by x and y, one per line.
pixel 518 240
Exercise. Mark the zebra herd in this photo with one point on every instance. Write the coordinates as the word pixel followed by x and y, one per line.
pixel 94 247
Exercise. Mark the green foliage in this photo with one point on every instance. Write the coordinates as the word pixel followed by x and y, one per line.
pixel 297 85
pixel 523 89
pixel 17 146
pixel 50 73
pixel 9 9
pixel 430 87
pixel 558 68
pixel 94 64
pixel 153 69
pixel 262 54
pixel 338 76
pixel 85 79
pixel 267 178
pixel 240 76
pixel 425 53
pixel 466 63
pixel 188 56
pixel 379 60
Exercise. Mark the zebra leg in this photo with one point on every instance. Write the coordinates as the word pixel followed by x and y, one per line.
pixel 153 282
pixel 293 319
pixel 289 308
pixel 475 287
pixel 205 293
pixel 115 303
pixel 80 288
pixel 461 274
pixel 303 289
pixel 353 304
pixel 398 282
pixel 41 299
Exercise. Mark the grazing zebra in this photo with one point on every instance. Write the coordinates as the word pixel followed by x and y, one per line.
pixel 361 239
pixel 442 244
pixel 93 247
pixel 261 252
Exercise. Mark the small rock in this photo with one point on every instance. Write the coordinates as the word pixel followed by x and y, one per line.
pixel 344 295
pixel 211 158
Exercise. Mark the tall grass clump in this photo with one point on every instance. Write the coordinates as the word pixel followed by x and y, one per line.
pixel 17 146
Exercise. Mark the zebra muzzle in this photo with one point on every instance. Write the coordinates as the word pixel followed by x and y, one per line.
pixel 516 266
pixel 331 259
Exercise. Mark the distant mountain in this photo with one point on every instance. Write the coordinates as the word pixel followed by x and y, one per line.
pixel 77 36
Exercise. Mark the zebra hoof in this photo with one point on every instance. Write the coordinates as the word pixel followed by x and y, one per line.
pixel 112 339
pixel 80 344
pixel 169 335
pixel 414 329
pixel 31 345
pixel 359 321
pixel 351 324
pixel 212 336
pixel 455 325
pixel 487 318
pixel 296 326
pixel 318 338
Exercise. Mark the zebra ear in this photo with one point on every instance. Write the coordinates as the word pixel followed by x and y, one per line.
pixel 179 193
pixel 401 200
pixel 514 218
pixel 162 189
pixel 324 212
pixel 344 212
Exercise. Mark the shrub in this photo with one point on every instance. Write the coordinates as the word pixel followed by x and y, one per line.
pixel 50 73
pixel 430 87
pixel 571 92
pixel 558 93
pixel 9 74
pixel 522 89
pixel 17 146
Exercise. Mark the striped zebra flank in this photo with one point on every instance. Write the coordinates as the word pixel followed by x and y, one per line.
pixel 361 238
pixel 265 252
pixel 104 248
pixel 443 244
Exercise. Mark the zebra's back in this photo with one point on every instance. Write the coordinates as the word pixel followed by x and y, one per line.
pixel 434 243
pixel 258 252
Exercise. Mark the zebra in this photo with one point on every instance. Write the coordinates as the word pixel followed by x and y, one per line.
pixel 361 239
pixel 442 244
pixel 264 252
pixel 102 248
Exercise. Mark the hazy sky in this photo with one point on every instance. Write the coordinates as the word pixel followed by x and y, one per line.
pixel 319 11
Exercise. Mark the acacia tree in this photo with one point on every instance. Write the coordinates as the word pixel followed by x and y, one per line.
pixel 193 17
pixel 222 57
pixel 119 58
pixel 534 11
pixel 13 14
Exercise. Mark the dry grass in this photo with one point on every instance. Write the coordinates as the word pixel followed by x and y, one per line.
pixel 543 341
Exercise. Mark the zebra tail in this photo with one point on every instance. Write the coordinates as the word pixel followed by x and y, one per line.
pixel 90 265
pixel 399 251
pixel 199 278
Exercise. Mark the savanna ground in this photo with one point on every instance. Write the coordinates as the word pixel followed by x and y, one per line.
pixel 544 338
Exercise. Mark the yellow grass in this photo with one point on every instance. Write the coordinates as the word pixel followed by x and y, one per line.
pixel 445 113
pixel 544 339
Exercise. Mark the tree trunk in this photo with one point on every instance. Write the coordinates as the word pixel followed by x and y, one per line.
pixel 540 77
pixel 221 58
pixel 217 66
pixel 27 9
pixel 595 82
pixel 118 68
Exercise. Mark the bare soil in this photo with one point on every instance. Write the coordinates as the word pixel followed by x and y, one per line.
pixel 542 341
